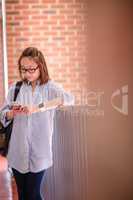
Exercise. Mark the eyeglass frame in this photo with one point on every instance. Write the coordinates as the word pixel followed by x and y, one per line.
pixel 28 70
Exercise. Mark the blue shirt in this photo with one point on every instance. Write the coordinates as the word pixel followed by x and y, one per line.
pixel 30 147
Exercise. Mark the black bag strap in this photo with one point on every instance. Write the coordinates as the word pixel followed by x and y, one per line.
pixel 9 127
pixel 17 89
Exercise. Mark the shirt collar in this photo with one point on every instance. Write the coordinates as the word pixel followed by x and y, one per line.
pixel 29 83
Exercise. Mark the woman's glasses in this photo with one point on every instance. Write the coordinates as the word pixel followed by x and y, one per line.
pixel 30 70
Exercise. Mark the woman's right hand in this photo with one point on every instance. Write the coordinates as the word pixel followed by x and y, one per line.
pixel 14 111
pixel 10 115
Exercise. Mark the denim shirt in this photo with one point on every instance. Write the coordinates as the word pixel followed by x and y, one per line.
pixel 30 147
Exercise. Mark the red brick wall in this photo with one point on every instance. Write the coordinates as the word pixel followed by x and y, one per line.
pixel 58 29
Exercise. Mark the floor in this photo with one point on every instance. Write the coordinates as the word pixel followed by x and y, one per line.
pixel 7 184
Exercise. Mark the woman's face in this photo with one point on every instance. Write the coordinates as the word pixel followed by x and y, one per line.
pixel 29 69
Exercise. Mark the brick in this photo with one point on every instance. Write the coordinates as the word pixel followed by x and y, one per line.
pixel 30 1
pixel 56 28
pixel 49 1
pixel 21 7
pixel 12 1
pixel 22 17
pixel 12 12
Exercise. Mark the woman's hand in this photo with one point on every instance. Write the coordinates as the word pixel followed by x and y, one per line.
pixel 10 115
pixel 17 110
pixel 54 103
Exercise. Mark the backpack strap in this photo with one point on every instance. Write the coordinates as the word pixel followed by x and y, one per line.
pixel 17 89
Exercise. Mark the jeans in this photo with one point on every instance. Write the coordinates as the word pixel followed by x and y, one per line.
pixel 28 184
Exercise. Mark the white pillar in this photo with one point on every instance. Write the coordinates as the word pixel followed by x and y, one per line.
pixel 5 63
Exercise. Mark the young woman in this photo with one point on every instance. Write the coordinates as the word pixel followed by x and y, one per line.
pixel 30 147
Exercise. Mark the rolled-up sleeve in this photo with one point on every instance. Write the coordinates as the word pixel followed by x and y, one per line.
pixel 68 98
pixel 6 107
pixel 56 90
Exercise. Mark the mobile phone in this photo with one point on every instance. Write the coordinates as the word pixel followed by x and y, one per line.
pixel 15 106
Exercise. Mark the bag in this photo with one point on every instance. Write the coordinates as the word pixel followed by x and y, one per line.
pixel 5 132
